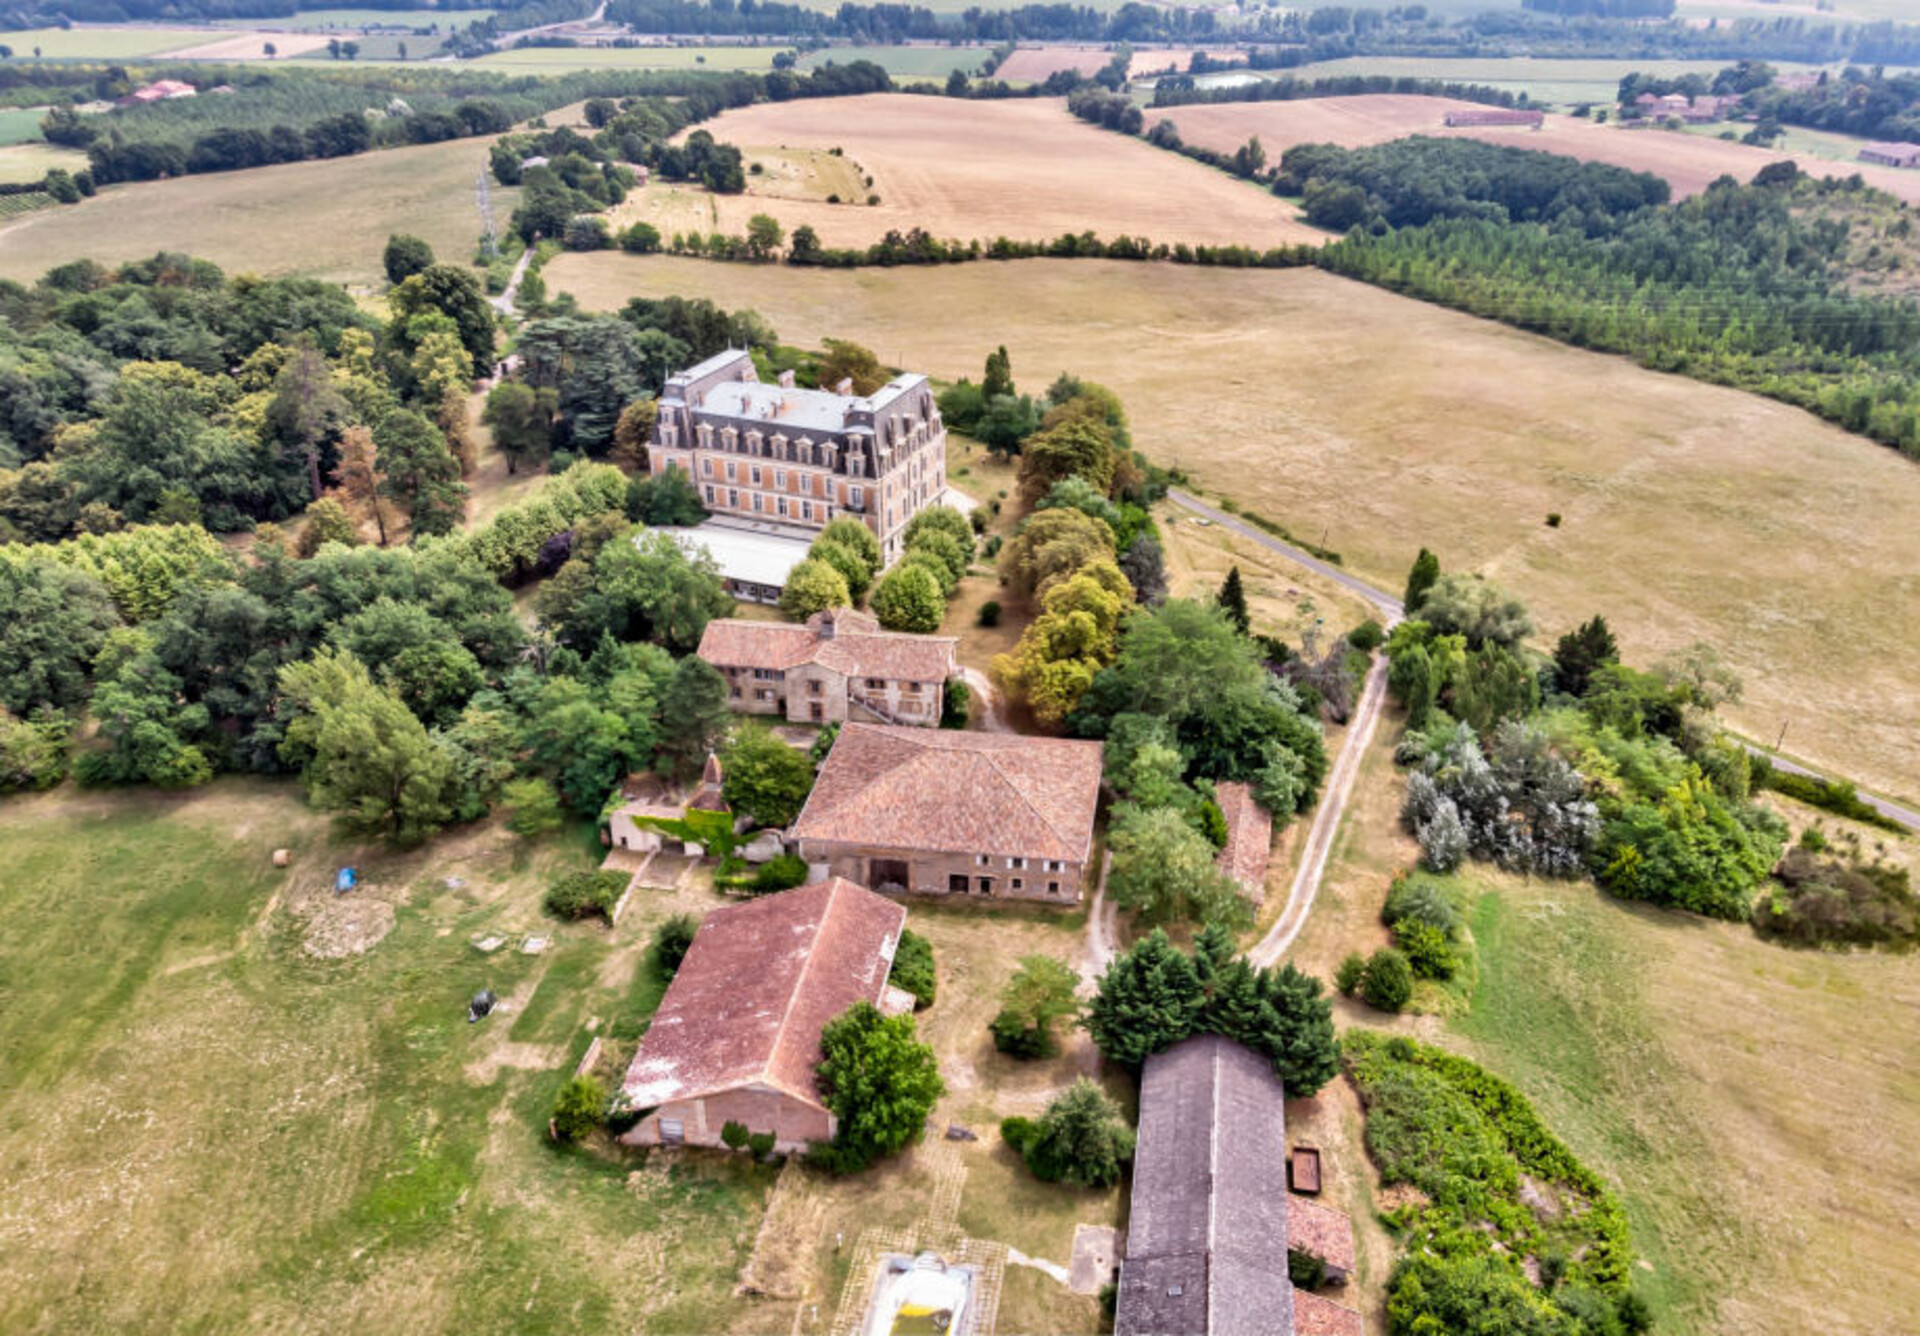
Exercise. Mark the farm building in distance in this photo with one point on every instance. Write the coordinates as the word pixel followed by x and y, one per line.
pixel 1533 120
pixel 161 90
pixel 795 458
pixel 1209 1228
pixel 839 666
pixel 936 813
pixel 1891 155
pixel 737 1035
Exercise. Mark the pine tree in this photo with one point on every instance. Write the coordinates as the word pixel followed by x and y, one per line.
pixel 1580 652
pixel 1233 597
pixel 1298 1032
pixel 1426 569
pixel 1148 1000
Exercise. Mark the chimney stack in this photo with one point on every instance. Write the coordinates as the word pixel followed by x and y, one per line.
pixel 845 387
pixel 786 380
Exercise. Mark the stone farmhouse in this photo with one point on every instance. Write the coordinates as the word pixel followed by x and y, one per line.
pixel 796 458
pixel 1208 1231
pixel 737 1036
pixel 839 666
pixel 925 812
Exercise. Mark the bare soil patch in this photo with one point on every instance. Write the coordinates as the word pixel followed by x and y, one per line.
pixel 252 46
pixel 1023 169
pixel 1688 162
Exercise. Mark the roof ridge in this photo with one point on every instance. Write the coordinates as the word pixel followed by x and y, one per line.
pixel 771 1065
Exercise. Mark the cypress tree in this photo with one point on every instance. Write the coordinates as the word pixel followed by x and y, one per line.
pixel 1426 569
pixel 1580 652
pixel 1233 597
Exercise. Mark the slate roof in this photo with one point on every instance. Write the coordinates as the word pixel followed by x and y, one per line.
pixel 953 792
pixel 1249 838
pixel 1206 1238
pixel 759 983
pixel 857 647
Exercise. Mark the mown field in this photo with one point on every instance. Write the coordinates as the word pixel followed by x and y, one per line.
pixel 1689 512
pixel 1747 1101
pixel 326 219
pixel 1688 161
pixel 102 42
pixel 205 1125
pixel 560 60
pixel 31 161
pixel 1025 170
pixel 1544 79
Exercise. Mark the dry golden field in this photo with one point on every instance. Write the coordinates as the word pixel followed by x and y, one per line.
pixel 252 46
pixel 325 219
pixel 1689 162
pixel 978 170
pixel 1034 63
pixel 1690 512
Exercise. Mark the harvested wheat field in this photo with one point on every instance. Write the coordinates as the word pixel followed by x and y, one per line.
pixel 1689 162
pixel 1033 64
pixel 978 170
pixel 327 219
pixel 1689 512
pixel 252 46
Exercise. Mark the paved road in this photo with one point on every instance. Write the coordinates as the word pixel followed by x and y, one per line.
pixel 1389 606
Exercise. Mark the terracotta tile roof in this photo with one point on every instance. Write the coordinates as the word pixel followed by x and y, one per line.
pixel 1320 1230
pixel 1315 1316
pixel 857 648
pixel 759 983
pixel 955 792
pixel 1249 838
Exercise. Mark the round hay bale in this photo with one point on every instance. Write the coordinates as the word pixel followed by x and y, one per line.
pixel 282 857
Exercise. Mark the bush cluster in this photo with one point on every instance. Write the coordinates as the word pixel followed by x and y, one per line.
pixel 578 895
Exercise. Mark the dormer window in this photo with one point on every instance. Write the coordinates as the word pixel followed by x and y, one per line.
pixel 729 439
pixel 754 441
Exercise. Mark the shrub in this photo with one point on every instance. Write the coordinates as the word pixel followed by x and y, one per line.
pixel 579 895
pixel 1082 1138
pixel 581 1107
pixel 1388 982
pixel 1352 970
pixel 989 613
pixel 1305 1271
pixel 734 1135
pixel 1040 994
pixel 781 873
pixel 1367 637
pixel 1820 901
pixel 672 940
pixel 1426 948
pixel 1421 899
pixel 958 705
pixel 913 969
pixel 761 1144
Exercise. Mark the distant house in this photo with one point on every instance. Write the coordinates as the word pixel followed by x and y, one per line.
pixel 1533 120
pixel 1249 839
pixel 1208 1230
pixel 949 813
pixel 1891 155
pixel 737 1036
pixel 161 90
pixel 839 666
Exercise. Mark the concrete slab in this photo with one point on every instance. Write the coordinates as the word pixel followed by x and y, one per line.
pixel 1096 1257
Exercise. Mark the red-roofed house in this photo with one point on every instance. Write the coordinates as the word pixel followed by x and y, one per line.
pixel 938 812
pixel 737 1036
pixel 1249 838
pixel 839 666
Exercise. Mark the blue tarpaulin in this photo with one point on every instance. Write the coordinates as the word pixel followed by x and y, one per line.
pixel 345 880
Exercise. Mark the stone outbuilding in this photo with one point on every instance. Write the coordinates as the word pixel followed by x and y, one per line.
pixel 737 1036
pixel 937 812
pixel 837 667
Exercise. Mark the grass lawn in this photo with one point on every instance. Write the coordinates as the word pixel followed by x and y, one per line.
pixel 560 60
pixel 203 1125
pixel 325 219
pixel 20 125
pixel 908 62
pixel 31 162
pixel 100 43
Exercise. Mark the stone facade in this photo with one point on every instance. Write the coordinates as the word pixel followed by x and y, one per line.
pixel 795 1124
pixel 898 870
pixel 840 666
pixel 798 457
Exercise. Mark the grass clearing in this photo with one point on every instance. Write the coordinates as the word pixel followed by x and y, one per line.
pixel 20 125
pixel 100 42
pixel 31 162
pixel 203 1125
pixel 326 219
pixel 1020 169
pixel 1690 512
pixel 915 62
